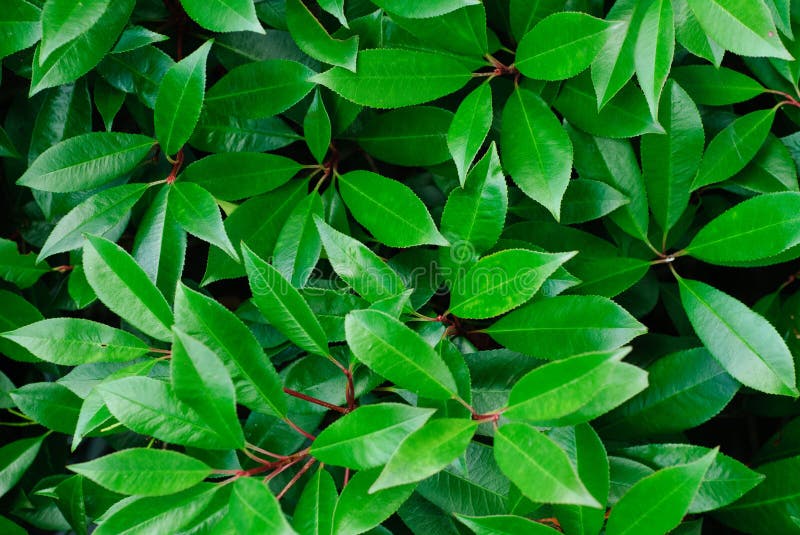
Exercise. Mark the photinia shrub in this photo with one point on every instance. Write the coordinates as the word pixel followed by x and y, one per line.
pixel 437 267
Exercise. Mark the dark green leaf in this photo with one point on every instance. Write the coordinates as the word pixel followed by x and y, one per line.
pixel 414 136
pixel 313 39
pixel 15 458
pixel 317 128
pixel 20 26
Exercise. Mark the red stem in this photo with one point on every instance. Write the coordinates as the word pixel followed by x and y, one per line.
pixel 315 401
pixel 297 476
pixel 299 430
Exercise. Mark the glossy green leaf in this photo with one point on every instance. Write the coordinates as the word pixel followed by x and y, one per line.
pixel 393 78
pixel 16 312
pixel 254 509
pixel 21 270
pixel 314 511
pixel 567 325
pixel 317 128
pixel 505 525
pixel 15 458
pixel 562 45
pixel 335 8
pixel 524 14
pixel 63 21
pixel 20 24
pixel 755 229
pixel 224 15
pixel 179 100
pixel 538 466
pixel 414 136
pixel 399 354
pixel 257 384
pixel 50 404
pixel 200 380
pixel 358 511
pixel 145 472
pixel 745 29
pixel 587 199
pixel 502 281
pixel 196 210
pixel 469 128
pixel 260 89
pixel 283 306
pixel 733 147
pixel 691 35
pixel 86 162
pixel 313 39
pixel 657 503
pixel 716 86
pixel 537 152
pixel 298 247
pixel 138 72
pixel 462 31
pixel 744 343
pixel 238 175
pixel 136 37
pixel 391 211
pixel 72 503
pixel 124 287
pixel 655 47
pixel 73 341
pixel 433 8
pixel 368 436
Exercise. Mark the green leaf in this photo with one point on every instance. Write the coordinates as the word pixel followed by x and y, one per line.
pixel 137 37
pixel 20 26
pixel 16 312
pixel 124 287
pixel 524 14
pixel 179 100
pixel 432 8
pixel 282 305
pixel 139 72
pixel 358 511
pixel 63 21
pixel 246 174
pixel 78 56
pixel 686 389
pixel 22 270
pixel 368 436
pixel 502 281
pixel 587 199
pixel 254 509
pixel 197 212
pixel 200 380
pixel 260 89
pixel 657 503
pixel 744 343
pixel 144 472
pixel 463 31
pixel 71 503
pixel 150 407
pixel 655 47
pixel 86 162
pixel 536 150
pixel 335 8
pixel 224 15
pixel 691 36
pixel 758 228
pixel 566 325
pixel 469 128
pixel 50 404
pixel 298 246
pixel 538 466
pixel 317 128
pixel 505 525
pixel 744 29
pixel 313 39
pixel 733 147
pixel 399 354
pixel 390 210
pixel 15 458
pixel 74 341
pixel 393 78
pixel 415 136
pixel 562 45
pixel 257 384
pixel 7 148
pixel 314 511
pixel 426 451
pixel 670 160
pixel 716 86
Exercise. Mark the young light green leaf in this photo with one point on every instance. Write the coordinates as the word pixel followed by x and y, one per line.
pixel 657 503
pixel 179 100
pixel 298 246
pixel 716 86
pixel 396 352
pixel 257 384
pixel 744 29
pixel 733 147
pixel 86 162
pixel 21 270
pixel 313 39
pixel 502 281
pixel 358 511
pixel 144 471
pixel 74 341
pixel 562 45
pixel 393 78
pixel 314 511
pixel 536 150
pixel 413 136
pixel 655 47
pixel 566 325
pixel 50 404
pixel 16 312
pixel 390 210
pixel 432 8
pixel 200 380
pixel 691 36
pixel 15 458
pixel 260 89
pixel 317 128
pixel 469 128
pixel 368 436
pixel 197 212
pixel 246 174
pixel 124 287
pixel 20 25
pixel 744 343
pixel 282 305
pixel 538 466
pixel 425 452
pixel 755 229
pixel 255 509
pixel 224 15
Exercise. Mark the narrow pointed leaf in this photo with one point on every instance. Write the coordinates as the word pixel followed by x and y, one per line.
pixel 655 47
pixel 313 39
pixel 716 86
pixel 298 247
pixel 469 128
pixel 255 509
pixel 15 458
pixel 197 212
pixel 317 128
pixel 314 511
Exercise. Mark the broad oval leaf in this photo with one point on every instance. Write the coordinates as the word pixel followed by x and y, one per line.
pixel 358 511
pixel 716 86
pixel 224 15
pixel 232 176
pixel 314 511
pixel 255 509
